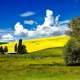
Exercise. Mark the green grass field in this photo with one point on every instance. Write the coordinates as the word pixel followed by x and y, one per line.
pixel 46 64
pixel 1 43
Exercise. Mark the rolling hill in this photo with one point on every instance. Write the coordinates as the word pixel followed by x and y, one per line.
pixel 47 64
pixel 2 43
pixel 41 43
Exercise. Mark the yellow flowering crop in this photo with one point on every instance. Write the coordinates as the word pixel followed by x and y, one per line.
pixel 41 43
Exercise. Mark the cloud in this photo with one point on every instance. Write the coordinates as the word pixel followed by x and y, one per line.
pixel 65 22
pixel 7 38
pixel 20 30
pixel 32 34
pixel 51 26
pixel 57 19
pixel 49 19
pixel 2 31
pixel 30 22
pixel 26 14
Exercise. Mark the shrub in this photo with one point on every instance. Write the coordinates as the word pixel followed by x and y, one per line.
pixel 1 50
pixel 72 49
pixel 21 49
pixel 5 49
pixel 72 53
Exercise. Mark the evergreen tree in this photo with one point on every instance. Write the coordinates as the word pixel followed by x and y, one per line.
pixel 16 47
pixel 5 49
pixel 23 49
pixel 20 46
pixel 20 42
pixel 2 50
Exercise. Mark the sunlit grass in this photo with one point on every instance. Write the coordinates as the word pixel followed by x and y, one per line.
pixel 47 66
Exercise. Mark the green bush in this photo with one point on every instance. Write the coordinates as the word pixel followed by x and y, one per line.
pixel 72 53
pixel 23 49
pixel 1 50
pixel 72 49
pixel 5 49
pixel 20 48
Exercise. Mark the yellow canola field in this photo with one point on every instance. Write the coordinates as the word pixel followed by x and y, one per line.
pixel 41 43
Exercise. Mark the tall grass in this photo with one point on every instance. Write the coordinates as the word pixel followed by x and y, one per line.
pixel 45 64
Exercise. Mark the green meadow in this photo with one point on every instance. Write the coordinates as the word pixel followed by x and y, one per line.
pixel 45 64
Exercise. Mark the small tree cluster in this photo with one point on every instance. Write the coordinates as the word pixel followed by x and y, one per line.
pixel 72 49
pixel 72 53
pixel 20 48
pixel 3 50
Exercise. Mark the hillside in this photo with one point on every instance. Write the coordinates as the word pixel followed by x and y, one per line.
pixel 45 64
pixel 41 43
pixel 2 43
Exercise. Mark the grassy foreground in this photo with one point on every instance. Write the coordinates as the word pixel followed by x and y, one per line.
pixel 46 64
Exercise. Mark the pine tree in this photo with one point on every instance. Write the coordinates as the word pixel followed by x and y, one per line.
pixel 23 49
pixel 20 46
pixel 16 47
pixel 5 49
pixel 2 50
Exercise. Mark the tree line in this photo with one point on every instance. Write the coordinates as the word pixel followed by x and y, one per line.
pixel 18 48
pixel 72 49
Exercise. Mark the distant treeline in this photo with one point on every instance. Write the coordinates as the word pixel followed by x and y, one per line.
pixel 3 43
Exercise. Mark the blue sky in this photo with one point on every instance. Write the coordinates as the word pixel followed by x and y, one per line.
pixel 11 11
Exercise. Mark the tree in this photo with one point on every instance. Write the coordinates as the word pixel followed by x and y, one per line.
pixel 21 49
pixel 72 49
pixel 2 50
pixel 20 46
pixel 5 49
pixel 75 26
pixel 16 47
pixel 20 42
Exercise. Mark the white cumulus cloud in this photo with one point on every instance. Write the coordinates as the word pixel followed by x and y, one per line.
pixel 65 22
pixel 20 30
pixel 32 34
pixel 50 27
pixel 49 19
pixel 30 22
pixel 26 14
pixel 7 37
